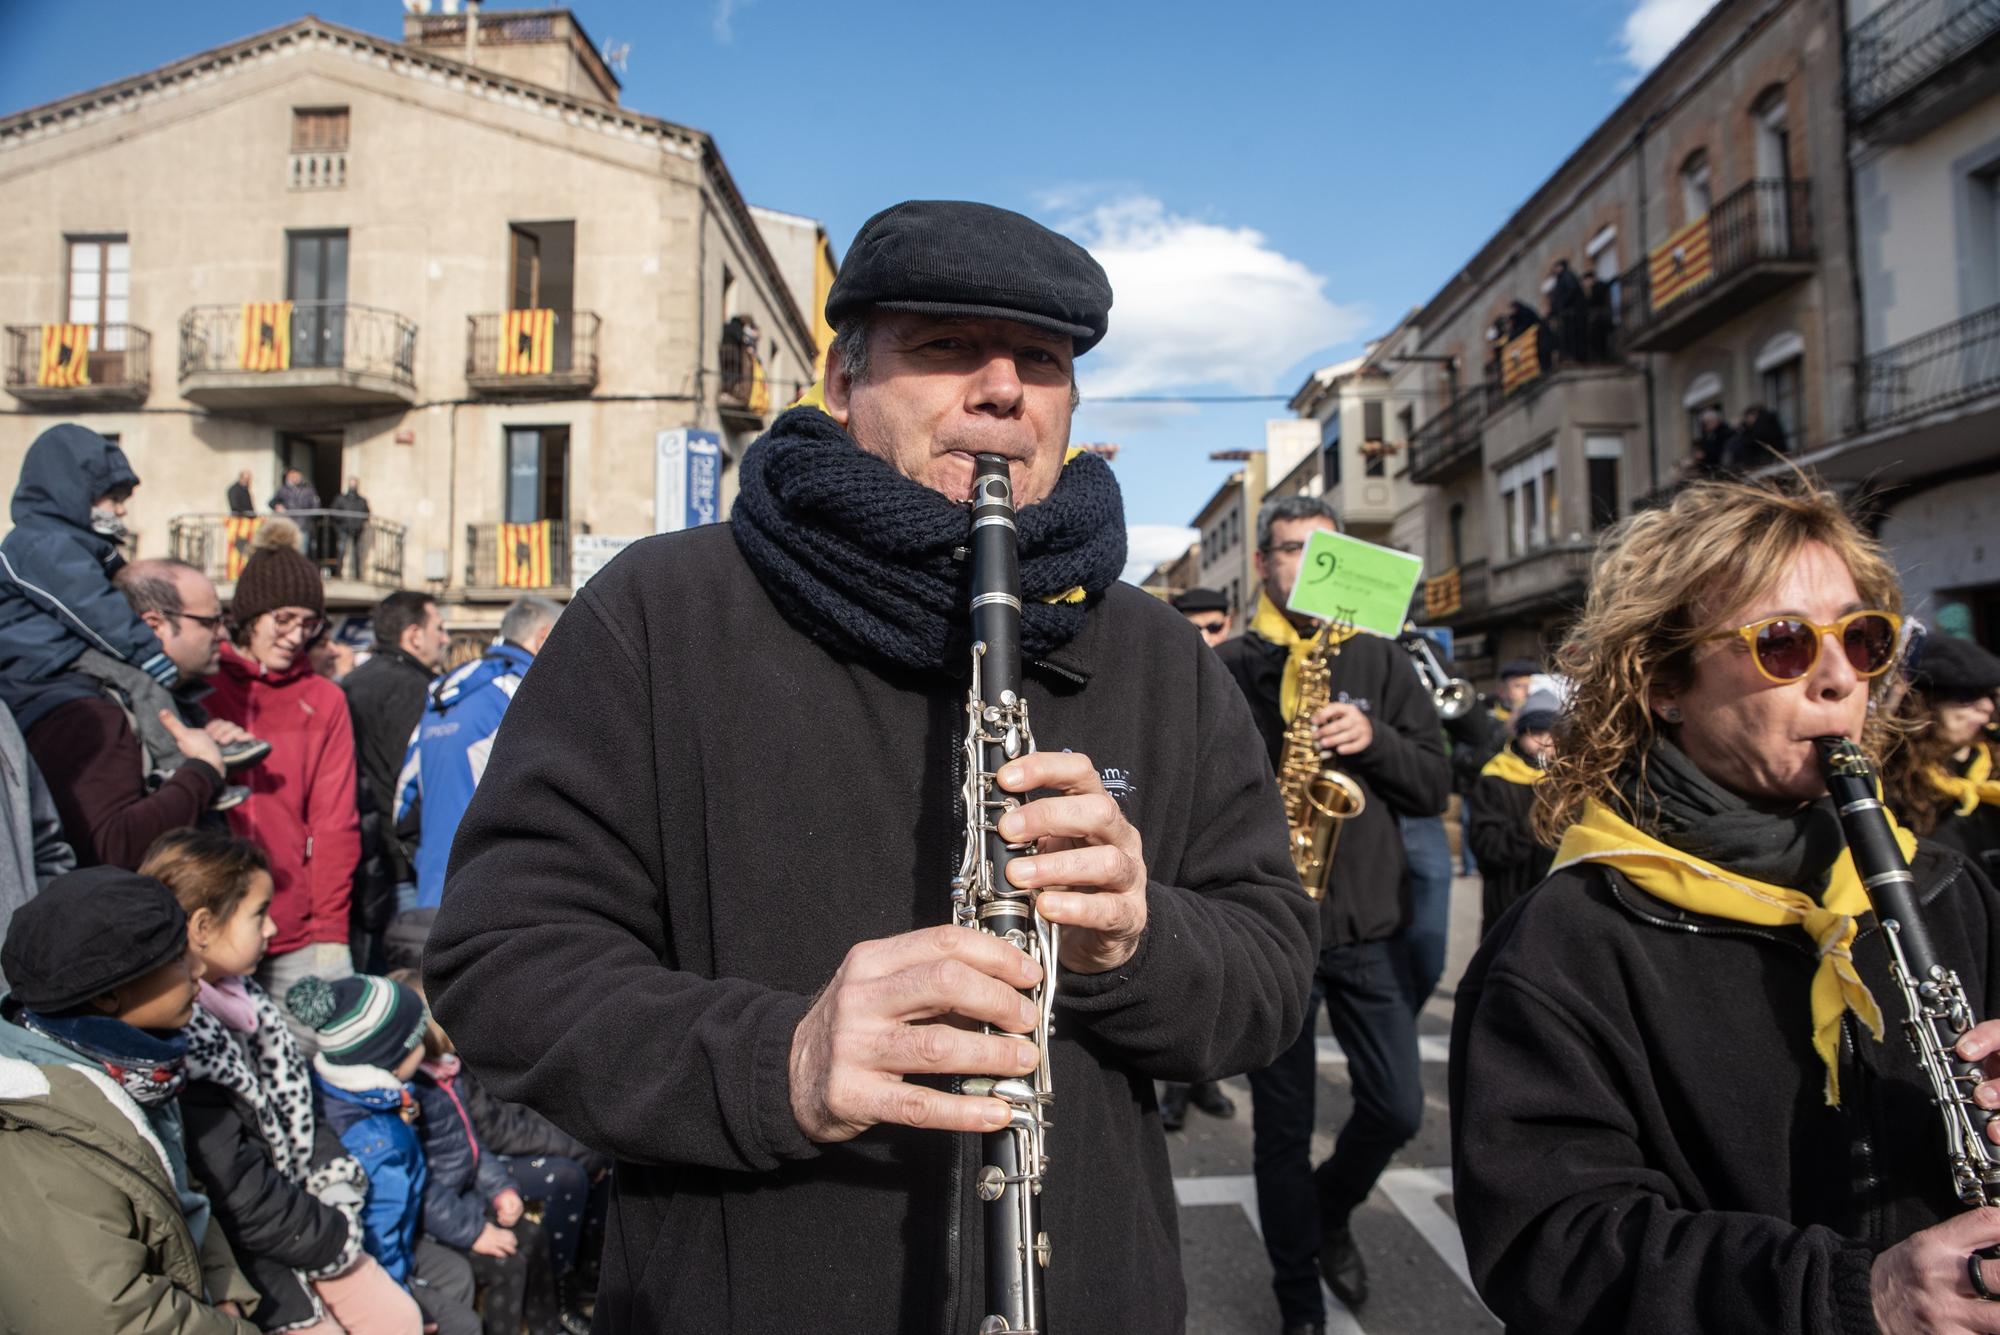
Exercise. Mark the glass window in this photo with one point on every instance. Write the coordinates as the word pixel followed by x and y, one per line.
pixel 1697 193
pixel 100 288
pixel 1784 395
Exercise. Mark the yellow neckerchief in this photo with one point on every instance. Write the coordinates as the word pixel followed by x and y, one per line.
pixel 1701 887
pixel 1970 788
pixel 1512 766
pixel 1504 714
pixel 1274 627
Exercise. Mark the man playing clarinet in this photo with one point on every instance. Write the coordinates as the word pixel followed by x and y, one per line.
pixel 700 911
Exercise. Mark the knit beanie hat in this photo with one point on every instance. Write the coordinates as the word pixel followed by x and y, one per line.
pixel 276 575
pixel 362 1020
pixel 1538 713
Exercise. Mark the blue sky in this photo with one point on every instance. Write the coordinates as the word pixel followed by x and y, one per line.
pixel 1267 182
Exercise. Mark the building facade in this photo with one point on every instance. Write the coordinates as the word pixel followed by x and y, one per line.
pixel 1694 252
pixel 450 266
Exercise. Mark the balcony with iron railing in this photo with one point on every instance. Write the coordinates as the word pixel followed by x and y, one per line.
pixel 1553 575
pixel 1757 241
pixel 1913 63
pixel 79 366
pixel 532 353
pixel 1449 442
pixel 359 555
pixel 503 559
pixel 279 355
pixel 1935 371
pixel 742 394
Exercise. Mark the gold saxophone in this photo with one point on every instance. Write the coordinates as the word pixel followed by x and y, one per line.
pixel 1319 799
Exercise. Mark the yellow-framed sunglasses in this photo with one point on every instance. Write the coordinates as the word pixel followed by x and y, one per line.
pixel 1785 649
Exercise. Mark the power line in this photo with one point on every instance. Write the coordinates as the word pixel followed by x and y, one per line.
pixel 1188 398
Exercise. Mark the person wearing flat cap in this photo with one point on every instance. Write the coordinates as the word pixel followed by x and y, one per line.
pixel 92 1057
pixel 699 910
pixel 1941 779
pixel 1209 611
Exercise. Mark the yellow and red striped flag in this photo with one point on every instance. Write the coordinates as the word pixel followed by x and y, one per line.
pixel 527 342
pixel 1520 362
pixel 239 531
pixel 65 356
pixel 1680 263
pixel 266 344
pixel 524 555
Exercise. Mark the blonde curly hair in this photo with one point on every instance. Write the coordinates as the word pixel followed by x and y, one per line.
pixel 1660 583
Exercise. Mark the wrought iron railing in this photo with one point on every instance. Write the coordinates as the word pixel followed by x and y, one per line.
pixel 1940 369
pixel 571 354
pixel 741 375
pixel 1758 223
pixel 1906 42
pixel 343 544
pixel 1453 435
pixel 117 363
pixel 324 335
pixel 517 556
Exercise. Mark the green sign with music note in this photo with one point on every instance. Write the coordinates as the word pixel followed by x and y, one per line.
pixel 1346 579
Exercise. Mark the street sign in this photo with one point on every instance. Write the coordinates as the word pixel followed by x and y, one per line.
pixel 687 480
pixel 590 553
pixel 1348 580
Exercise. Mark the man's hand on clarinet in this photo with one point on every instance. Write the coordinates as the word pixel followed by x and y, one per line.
pixel 908 1005
pixel 1090 869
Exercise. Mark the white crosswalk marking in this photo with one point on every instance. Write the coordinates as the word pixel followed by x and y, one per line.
pixel 1430 1048
pixel 1414 1192
pixel 1241 1191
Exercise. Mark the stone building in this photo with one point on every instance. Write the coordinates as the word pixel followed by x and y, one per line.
pixel 1709 212
pixel 451 266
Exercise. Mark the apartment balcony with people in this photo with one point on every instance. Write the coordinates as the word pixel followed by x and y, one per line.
pixel 742 394
pixel 505 560
pixel 359 555
pixel 79 366
pixel 1913 64
pixel 541 353
pixel 1449 443
pixel 1567 399
pixel 1923 406
pixel 280 355
pixel 1753 243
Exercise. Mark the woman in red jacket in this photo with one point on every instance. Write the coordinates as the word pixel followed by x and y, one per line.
pixel 301 809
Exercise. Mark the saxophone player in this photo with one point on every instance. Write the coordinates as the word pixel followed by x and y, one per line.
pixel 1381 728
pixel 701 911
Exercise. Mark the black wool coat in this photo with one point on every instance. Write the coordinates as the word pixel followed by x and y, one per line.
pixel 693 811
pixel 1403 772
pixel 1640 1138
pixel 385 698
pixel 1498 825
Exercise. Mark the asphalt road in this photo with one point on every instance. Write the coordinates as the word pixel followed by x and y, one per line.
pixel 1406 1232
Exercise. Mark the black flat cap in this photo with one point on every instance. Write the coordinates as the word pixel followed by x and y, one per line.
pixel 1955 667
pixel 1519 667
pixel 950 257
pixel 88 932
pixel 1202 600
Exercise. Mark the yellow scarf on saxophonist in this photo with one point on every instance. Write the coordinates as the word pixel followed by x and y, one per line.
pixel 1274 627
pixel 1970 788
pixel 1674 877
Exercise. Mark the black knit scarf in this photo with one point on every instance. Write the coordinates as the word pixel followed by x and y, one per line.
pixel 872 564
pixel 1794 845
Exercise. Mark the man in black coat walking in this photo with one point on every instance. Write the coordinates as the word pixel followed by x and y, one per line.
pixel 1382 730
pixel 699 912
pixel 385 698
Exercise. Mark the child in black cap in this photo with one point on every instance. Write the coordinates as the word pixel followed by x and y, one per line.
pixel 103 984
pixel 371 1042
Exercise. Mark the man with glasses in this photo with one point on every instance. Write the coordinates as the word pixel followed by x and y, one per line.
pixel 302 806
pixel 1382 730
pixel 99 765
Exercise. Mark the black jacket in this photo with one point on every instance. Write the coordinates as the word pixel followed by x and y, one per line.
pixel 1402 773
pixel 1639 1127
pixel 274 1226
pixel 385 698
pixel 240 500
pixel 1476 737
pixel 461 1175
pixel 520 1132
pixel 1977 836
pixel 1511 863
pixel 721 809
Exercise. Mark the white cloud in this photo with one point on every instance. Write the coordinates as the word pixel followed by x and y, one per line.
pixel 724 22
pixel 1197 303
pixel 1654 27
pixel 1146 545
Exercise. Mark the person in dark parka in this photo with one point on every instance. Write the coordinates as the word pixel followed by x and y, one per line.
pixel 723 940
pixel 1501 805
pixel 1941 780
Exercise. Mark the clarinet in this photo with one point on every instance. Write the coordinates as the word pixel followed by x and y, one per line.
pixel 1934 999
pixel 1013 1160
